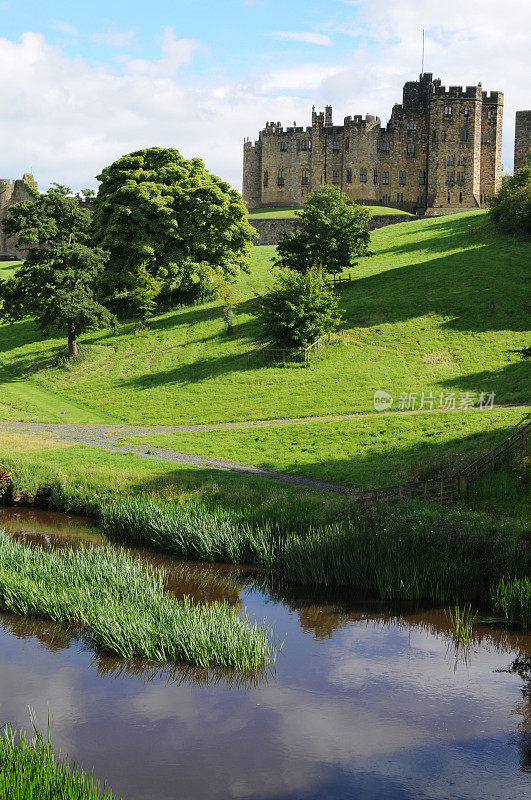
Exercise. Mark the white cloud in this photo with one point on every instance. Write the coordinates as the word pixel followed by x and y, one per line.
pixel 74 117
pixel 115 38
pixel 307 37
pixel 64 27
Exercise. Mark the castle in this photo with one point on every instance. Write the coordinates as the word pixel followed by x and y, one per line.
pixel 439 152
pixel 13 192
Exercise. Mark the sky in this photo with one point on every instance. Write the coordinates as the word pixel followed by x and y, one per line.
pixel 84 83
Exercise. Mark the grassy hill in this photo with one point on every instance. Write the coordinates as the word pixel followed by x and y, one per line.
pixel 435 309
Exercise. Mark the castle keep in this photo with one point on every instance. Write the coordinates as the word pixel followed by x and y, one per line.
pixel 13 192
pixel 440 150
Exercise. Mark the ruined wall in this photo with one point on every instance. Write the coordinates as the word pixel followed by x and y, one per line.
pixel 522 139
pixel 441 148
pixel 12 192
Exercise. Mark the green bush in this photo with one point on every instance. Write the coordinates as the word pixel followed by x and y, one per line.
pixel 299 309
pixel 510 208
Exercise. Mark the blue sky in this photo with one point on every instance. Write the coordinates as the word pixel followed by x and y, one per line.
pixel 86 82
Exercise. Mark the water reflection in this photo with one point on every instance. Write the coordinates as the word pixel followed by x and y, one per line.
pixel 367 701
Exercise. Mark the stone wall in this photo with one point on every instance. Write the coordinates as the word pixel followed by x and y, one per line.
pixel 522 139
pixel 270 230
pixel 440 148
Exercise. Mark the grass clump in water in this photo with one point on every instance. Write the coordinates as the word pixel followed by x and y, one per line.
pixel 512 598
pixel 122 607
pixel 462 623
pixel 29 770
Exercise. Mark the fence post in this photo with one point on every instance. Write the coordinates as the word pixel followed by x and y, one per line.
pixel 329 336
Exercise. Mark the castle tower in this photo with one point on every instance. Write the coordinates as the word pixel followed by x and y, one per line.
pixel 12 192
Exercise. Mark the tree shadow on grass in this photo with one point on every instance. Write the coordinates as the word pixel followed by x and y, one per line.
pixel 457 287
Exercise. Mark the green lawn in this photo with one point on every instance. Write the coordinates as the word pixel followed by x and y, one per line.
pixel 363 452
pixel 289 213
pixel 436 309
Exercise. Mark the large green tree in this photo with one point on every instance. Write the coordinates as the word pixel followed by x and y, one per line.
pixel 159 212
pixel 58 282
pixel 329 233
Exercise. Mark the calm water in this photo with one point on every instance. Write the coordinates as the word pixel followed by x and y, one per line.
pixel 362 703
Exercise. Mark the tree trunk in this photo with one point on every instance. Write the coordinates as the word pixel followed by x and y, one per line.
pixel 72 341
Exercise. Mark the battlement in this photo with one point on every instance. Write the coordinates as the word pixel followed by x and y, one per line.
pixel 367 122
pixel 492 98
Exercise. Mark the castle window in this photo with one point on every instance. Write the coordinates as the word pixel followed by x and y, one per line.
pixel 349 176
pixel 266 179
pixel 363 176
pixel 485 138
pixel 305 178
pixel 335 177
pixel 450 178
pixel 335 145
pixel 402 177
pixel 448 197
pixel 375 177
pixel 449 161
pixel 422 177
pixel 460 161
pixel 410 149
pixel 448 111
pixel 489 114
pixel 304 144
pixel 347 145
pixel 434 136
pixel 385 146
pixel 466 111
pixel 280 179
pixel 385 178
pixel 411 126
pixel 443 136
pixel 463 135
pixel 460 197
pixel 283 145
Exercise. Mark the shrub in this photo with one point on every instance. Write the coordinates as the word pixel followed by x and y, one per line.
pixel 299 309
pixel 510 208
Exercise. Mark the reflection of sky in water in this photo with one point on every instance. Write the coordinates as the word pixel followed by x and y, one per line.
pixel 355 709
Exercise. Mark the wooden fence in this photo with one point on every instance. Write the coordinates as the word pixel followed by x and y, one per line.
pixel 446 488
pixel 287 354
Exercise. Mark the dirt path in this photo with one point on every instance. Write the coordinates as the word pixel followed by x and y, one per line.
pixel 108 436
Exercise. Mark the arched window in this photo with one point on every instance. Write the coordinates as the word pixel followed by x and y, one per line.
pixel 385 178
pixel 305 179
pixel 266 179
pixel 448 111
pixel 385 147
pixel 283 145
pixel 335 177
pixel 402 177
pixel 335 145
pixel 304 144
pixel 363 175
pixel 280 179
pixel 410 149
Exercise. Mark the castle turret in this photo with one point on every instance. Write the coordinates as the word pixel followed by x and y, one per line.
pixel 522 139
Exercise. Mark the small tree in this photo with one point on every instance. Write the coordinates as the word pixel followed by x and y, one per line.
pixel 329 233
pixel 510 208
pixel 299 309
pixel 57 283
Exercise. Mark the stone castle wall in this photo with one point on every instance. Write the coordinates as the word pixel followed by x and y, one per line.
pixel 522 139
pixel 13 192
pixel 271 230
pixel 440 149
